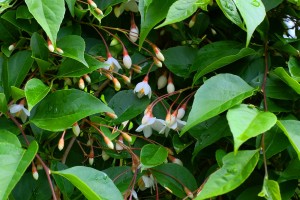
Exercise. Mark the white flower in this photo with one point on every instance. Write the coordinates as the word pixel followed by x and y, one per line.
pixel 19 110
pixel 113 64
pixel 143 88
pixel 147 121
pixel 146 182
pixel 171 122
pixel 134 194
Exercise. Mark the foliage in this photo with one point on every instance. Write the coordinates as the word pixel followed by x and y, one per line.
pixel 149 99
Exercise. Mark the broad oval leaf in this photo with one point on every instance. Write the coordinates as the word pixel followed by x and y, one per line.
pixel 249 9
pixel 216 95
pixel 294 68
pixel 127 105
pixel 35 91
pixel 235 170
pixel 73 46
pixel 218 54
pixel 121 175
pixel 285 77
pixel 246 122
pixel 61 109
pixel 14 161
pixel 230 11
pixel 270 190
pixel 153 155
pixel 291 172
pixel 94 184
pixel 180 173
pixel 291 130
pixel 49 14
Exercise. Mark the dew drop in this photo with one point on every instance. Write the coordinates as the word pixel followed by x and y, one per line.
pixel 255 3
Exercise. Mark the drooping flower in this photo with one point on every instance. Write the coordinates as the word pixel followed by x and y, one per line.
pixel 146 181
pixel 143 88
pixel 147 121
pixel 19 111
pixel 113 63
pixel 171 122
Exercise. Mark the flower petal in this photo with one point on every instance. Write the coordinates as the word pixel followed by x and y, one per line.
pixel 147 131
pixel 140 128
pixel 26 111
pixel 15 108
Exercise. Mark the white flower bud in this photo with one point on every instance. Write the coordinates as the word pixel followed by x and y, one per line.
pixel 76 129
pixel 35 175
pixel 109 142
pixel 134 33
pixel 162 82
pixel 91 161
pixel 11 47
pixel 180 113
pixel 81 84
pixel 170 88
pixel 61 144
pixel 105 156
pixel 127 61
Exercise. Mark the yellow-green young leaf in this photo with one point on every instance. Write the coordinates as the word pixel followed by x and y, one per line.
pixel 59 110
pixel 235 170
pixel 153 155
pixel 49 14
pixel 94 184
pixel 253 13
pixel 216 95
pixel 285 77
pixel 14 161
pixel 3 103
pixel 35 91
pixel 183 9
pixel 291 130
pixel 230 11
pixel 270 190
pixel 246 122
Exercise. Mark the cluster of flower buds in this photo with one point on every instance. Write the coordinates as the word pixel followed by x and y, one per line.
pixel 95 7
pixel 81 83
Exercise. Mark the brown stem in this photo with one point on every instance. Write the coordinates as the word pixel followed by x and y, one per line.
pixel 66 153
pixel 102 86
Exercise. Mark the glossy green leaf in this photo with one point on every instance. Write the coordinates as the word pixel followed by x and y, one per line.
pixel 35 91
pixel 230 11
pixel 285 77
pixel 235 170
pixel 271 4
pixel 270 190
pixel 249 9
pixel 276 89
pixel 73 47
pixel 174 171
pixel 73 68
pixel 105 4
pixel 182 9
pixel 127 105
pixel 38 47
pixel 180 145
pixel 59 110
pixel 155 12
pixel 92 183
pixel 216 95
pixel 63 184
pixel 121 175
pixel 23 13
pixel 14 161
pixel 179 65
pixel 291 130
pixel 49 14
pixel 17 93
pixel 153 155
pixel 246 122
pixel 218 54
pixel 3 103
pixel 294 68
pixel 71 4
pixel 291 172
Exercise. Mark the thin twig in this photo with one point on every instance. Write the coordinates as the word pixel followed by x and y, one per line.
pixel 66 153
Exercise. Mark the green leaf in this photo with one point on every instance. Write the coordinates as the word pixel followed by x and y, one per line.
pixel 291 130
pixel 216 95
pixel 3 103
pixel 23 13
pixel 246 122
pixel 153 155
pixel 235 170
pixel 92 183
pixel 71 4
pixel 35 91
pixel 218 54
pixel 291 172
pixel 294 68
pixel 127 105
pixel 249 9
pixel 38 47
pixel 155 12
pixel 14 161
pixel 61 109
pixel 230 11
pixel 181 10
pixel 122 176
pixel 276 89
pixel 73 47
pixel 73 68
pixel 180 173
pixel 179 65
pixel 270 190
pixel 269 5
pixel 285 77
pixel 17 93
pixel 49 14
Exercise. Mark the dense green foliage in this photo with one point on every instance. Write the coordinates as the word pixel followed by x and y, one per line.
pixel 149 99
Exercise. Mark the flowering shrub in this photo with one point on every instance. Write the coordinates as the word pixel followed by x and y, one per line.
pixel 149 99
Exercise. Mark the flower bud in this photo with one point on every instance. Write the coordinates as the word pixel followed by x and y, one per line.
pixel 175 160
pixel 12 47
pixel 108 142
pixel 118 146
pixel 59 50
pixel 91 156
pixel 68 81
pixel 50 46
pixel 76 129
pixel 98 11
pixel 133 33
pixel 117 84
pixel 35 173
pixel 213 31
pixel 162 81
pixel 61 143
pixel 90 142
pixel 157 62
pixel 188 192
pixel 111 115
pixel 92 4
pixel 158 53
pixel 87 78
pixel 91 161
pixel 137 68
pixel 192 21
pixel 170 88
pixel 180 113
pixel 126 60
pixel 105 156
pixel 81 84
pixel 127 137
pixel 126 79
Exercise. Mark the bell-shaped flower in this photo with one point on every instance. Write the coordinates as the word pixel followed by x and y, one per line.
pixel 113 63
pixel 171 122
pixel 147 121
pixel 19 111
pixel 146 182
pixel 143 88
